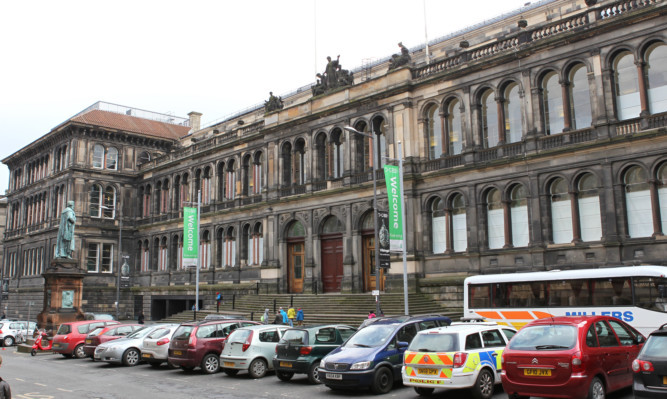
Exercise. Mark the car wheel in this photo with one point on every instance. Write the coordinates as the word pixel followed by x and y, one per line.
pixel 313 373
pixel 231 372
pixel 131 357
pixel 383 381
pixel 257 368
pixel 210 363
pixel 78 352
pixel 187 368
pixel 8 341
pixel 33 352
pixel 483 388
pixel 423 391
pixel 284 375
pixel 155 365
pixel 596 390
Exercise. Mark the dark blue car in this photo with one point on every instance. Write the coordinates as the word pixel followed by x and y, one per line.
pixel 373 356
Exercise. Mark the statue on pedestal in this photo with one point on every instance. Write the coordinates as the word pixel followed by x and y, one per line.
pixel 273 103
pixel 332 78
pixel 400 60
pixel 65 241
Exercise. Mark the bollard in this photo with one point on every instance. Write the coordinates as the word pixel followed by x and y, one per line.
pixel 233 301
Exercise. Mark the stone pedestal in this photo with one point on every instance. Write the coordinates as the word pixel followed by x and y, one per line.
pixel 63 290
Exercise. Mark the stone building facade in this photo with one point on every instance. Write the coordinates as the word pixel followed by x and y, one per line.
pixel 531 142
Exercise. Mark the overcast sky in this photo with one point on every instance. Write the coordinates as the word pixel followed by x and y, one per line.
pixel 214 57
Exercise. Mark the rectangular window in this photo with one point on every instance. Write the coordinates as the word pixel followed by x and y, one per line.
pixel 496 228
pixel 561 218
pixel 519 226
pixel 589 218
pixel 460 229
pixel 439 234
pixel 640 217
pixel 100 258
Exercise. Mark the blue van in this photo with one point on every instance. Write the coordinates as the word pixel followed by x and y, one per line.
pixel 373 356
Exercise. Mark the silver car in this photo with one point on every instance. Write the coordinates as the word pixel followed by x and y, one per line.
pixel 126 350
pixel 251 348
pixel 156 345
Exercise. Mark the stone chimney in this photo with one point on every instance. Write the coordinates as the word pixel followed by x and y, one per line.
pixel 195 121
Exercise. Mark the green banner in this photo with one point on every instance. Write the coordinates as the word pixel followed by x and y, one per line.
pixel 190 237
pixel 392 178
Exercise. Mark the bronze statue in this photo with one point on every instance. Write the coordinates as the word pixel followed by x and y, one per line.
pixel 273 103
pixel 333 77
pixel 400 60
pixel 65 241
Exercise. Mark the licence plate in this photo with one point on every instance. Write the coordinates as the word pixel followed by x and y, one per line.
pixel 285 364
pixel 229 364
pixel 88 341
pixel 664 380
pixel 178 353
pixel 56 346
pixel 334 376
pixel 428 371
pixel 146 355
pixel 423 381
pixel 537 372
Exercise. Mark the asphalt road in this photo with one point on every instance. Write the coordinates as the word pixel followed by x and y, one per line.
pixel 48 376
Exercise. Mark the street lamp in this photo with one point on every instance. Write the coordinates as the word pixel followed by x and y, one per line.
pixel 376 242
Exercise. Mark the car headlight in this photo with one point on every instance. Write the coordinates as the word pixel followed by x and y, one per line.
pixel 322 364
pixel 360 366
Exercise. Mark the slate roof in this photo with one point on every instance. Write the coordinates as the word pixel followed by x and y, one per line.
pixel 132 124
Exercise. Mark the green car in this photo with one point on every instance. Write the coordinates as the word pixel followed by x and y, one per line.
pixel 301 349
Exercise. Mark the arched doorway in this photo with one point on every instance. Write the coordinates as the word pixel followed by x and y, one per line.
pixel 332 254
pixel 296 255
pixel 368 255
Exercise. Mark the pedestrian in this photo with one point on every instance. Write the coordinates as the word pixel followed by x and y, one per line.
pixel 218 299
pixel 5 392
pixel 278 319
pixel 299 317
pixel 291 315
pixel 4 316
pixel 284 315
pixel 371 314
pixel 265 317
pixel 140 319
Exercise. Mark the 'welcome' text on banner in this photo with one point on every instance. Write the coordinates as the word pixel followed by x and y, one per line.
pixel 392 178
pixel 190 237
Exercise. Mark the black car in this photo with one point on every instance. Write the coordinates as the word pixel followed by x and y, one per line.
pixel 650 366
pixel 300 350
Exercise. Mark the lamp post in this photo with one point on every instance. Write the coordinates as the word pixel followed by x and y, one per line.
pixel 376 242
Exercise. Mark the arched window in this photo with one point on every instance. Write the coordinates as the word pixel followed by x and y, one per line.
pixel 229 248
pixel 164 197
pixel 656 66
pixel 112 159
pixel 434 129
pixel 455 127
pixel 146 209
pixel 561 212
pixel 332 225
pixel 246 171
pixel 588 202
pixel 662 196
pixel 162 255
pixel 519 216
pixel 438 226
pixel 102 203
pixel 205 250
pixel 336 154
pixel 380 136
pixel 144 157
pixel 230 180
pixel 322 157
pixel 512 113
pixel 300 162
pixel 176 193
pixel 495 219
pixel 489 115
pixel 626 86
pixel 552 104
pixel 256 182
pixel 175 255
pixel 109 210
pixel 95 200
pixel 206 186
pixel 459 224
pixel 287 164
pixel 363 151
pixel 185 190
pixel 145 255
pixel 580 98
pixel 221 181
pixel 638 203
pixel 98 156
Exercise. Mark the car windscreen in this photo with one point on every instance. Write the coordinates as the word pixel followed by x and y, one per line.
pixel 294 337
pixel 546 337
pixel 96 332
pixel 371 336
pixel 64 329
pixel 435 343
pixel 239 336
pixel 159 333
pixel 139 333
pixel 655 344
pixel 183 332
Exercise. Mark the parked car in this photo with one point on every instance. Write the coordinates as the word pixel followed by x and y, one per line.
pixel 107 333
pixel 300 350
pixel 70 337
pixel 251 348
pixel 462 355
pixel 216 316
pixel 155 348
pixel 10 330
pixel 126 350
pixel 373 356
pixel 585 356
pixel 650 366
pixel 198 343
pixel 97 316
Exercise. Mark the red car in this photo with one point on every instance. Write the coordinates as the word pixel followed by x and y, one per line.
pixel 570 357
pixel 198 344
pixel 69 338
pixel 106 334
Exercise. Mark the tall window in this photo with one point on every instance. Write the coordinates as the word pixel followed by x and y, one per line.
pixel 322 158
pixel 588 202
pixel 255 244
pixel 287 164
pixel 300 162
pixel 229 248
pixel 656 67
pixel 98 156
pixel 561 212
pixel 205 250
pixel 111 159
pixel 512 110
pixel 105 158
pixel 552 103
pixel 626 85
pixel 256 182
pixel 102 203
pixel 495 219
pixel 380 135
pixel 185 190
pixel 220 196
pixel 438 226
pixel 662 196
pixel 638 203
pixel 580 98
pixel 434 129
pixel 459 224
pixel 519 216
pixel 230 181
pixel 454 127
pixel 100 258
pixel 146 202
pixel 336 154
pixel 363 151
pixel 206 186
pixel 489 117
pixel 164 197
pixel 162 255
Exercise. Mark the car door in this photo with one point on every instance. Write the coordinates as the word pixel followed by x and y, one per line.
pixel 394 353
pixel 629 350
pixel 494 343
pixel 613 359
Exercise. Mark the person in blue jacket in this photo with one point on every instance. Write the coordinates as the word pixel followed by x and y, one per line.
pixel 299 317
pixel 284 315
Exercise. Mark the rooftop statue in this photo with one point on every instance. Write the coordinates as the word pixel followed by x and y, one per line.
pixel 273 103
pixel 398 60
pixel 333 77
pixel 65 241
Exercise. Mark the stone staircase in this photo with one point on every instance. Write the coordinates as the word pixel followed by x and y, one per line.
pixel 349 309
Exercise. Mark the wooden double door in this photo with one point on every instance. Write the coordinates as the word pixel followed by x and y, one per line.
pixel 332 263
pixel 368 264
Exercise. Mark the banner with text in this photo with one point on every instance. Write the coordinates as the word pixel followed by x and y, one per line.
pixel 392 178
pixel 190 237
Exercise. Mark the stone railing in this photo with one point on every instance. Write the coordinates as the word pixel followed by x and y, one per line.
pixel 559 27
pixel 624 6
pixel 628 126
